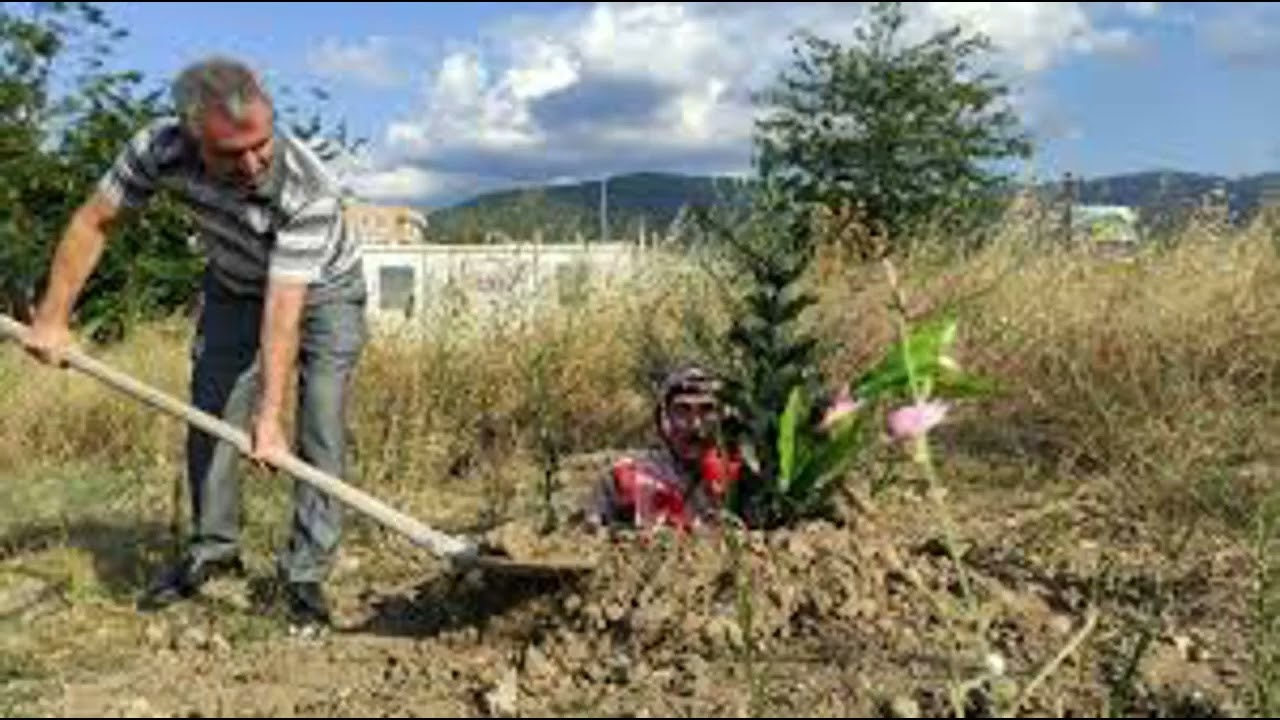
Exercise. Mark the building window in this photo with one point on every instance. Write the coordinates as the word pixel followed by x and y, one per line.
pixel 395 287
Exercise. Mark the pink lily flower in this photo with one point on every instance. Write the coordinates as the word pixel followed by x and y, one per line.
pixel 841 407
pixel 912 421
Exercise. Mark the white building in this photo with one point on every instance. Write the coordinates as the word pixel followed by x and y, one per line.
pixel 1105 224
pixel 407 282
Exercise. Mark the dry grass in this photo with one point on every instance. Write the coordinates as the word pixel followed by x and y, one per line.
pixel 1159 370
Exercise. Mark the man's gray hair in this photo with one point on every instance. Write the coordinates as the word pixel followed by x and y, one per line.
pixel 215 83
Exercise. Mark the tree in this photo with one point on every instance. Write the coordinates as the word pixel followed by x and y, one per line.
pixel 63 116
pixel 906 133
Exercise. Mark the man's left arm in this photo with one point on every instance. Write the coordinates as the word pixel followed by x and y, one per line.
pixel 302 245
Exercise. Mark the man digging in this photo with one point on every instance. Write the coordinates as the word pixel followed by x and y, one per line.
pixel 283 287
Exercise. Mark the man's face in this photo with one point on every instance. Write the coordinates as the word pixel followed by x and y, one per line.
pixel 691 423
pixel 238 153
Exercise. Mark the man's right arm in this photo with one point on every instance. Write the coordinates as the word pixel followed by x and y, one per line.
pixel 127 184
pixel 76 256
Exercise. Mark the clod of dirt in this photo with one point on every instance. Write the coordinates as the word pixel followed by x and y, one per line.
pixel 904 707
pixel 536 665
pixel 136 708
pixel 503 699
pixel 524 542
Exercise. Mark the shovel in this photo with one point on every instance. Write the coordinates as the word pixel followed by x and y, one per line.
pixel 462 554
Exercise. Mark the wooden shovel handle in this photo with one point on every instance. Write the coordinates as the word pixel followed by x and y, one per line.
pixel 440 544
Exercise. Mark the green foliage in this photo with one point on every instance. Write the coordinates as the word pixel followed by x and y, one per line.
pixel 1264 639
pixel 55 147
pixel 812 460
pixel 905 133
pixel 799 432
pixel 517 215
pixel 921 365
pixel 309 121
pixel 765 354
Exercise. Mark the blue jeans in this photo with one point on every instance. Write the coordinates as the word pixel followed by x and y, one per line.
pixel 225 382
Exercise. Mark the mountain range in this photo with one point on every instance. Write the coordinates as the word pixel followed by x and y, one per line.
pixel 652 200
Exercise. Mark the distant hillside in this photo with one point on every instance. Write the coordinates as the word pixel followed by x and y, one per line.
pixel 1166 190
pixel 652 200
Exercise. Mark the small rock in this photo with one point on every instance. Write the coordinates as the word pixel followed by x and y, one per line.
pixel 615 612
pixel 660 678
pixel 536 664
pixel 785 596
pixel 904 707
pixel 1184 645
pixel 307 632
pixel 1199 647
pixel 1060 625
pixel 573 604
pixel 595 617
pixel 995 664
pixel 620 669
pixel 503 699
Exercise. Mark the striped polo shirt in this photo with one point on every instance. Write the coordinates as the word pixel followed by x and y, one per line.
pixel 291 227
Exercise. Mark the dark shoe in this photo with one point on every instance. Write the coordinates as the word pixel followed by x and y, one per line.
pixel 185 579
pixel 307 605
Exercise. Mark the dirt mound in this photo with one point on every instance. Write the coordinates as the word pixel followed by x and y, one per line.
pixel 858 619
pixel 820 619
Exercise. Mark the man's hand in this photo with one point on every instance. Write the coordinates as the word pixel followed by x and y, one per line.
pixel 48 341
pixel 269 445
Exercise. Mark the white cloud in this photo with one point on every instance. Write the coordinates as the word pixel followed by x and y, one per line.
pixel 1032 35
pixel 369 62
pixel 1143 9
pixel 396 183
pixel 618 87
pixel 1244 36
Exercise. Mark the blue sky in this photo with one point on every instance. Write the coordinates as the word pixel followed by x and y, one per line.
pixel 458 98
